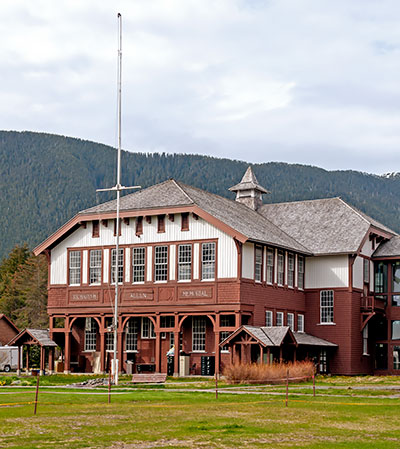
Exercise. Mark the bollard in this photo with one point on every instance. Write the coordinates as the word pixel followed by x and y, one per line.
pixel 37 393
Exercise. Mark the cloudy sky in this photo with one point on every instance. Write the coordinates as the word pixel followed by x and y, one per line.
pixel 300 81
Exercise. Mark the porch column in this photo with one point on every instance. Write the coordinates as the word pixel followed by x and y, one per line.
pixel 42 360
pixel 280 355
pixel 67 353
pixel 158 344
pixel 242 354
pixel 120 349
pixel 19 361
pixel 176 354
pixel 27 358
pixel 217 352
pixel 268 356
pixel 51 360
pixel 261 361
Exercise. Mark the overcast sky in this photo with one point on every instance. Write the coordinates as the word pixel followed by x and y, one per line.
pixel 300 81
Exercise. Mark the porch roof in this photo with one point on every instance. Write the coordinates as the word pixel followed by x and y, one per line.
pixel 39 337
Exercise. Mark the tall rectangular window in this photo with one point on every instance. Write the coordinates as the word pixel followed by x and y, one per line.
pixel 290 321
pixel 281 268
pixel 366 271
pixel 160 223
pixel 184 262
pixel 268 318
pixel 198 333
pixel 222 336
pixel 208 260
pixel 290 278
pixel 300 272
pixel 120 265
pixel 131 335
pixel 326 306
pixel 138 264
pixel 185 221
pixel 161 263
pixel 74 267
pixel 258 263
pixel 147 328
pixel 95 266
pixel 396 277
pixel 139 225
pixel 381 278
pixel 270 266
pixel 95 228
pixel 90 334
pixel 300 323
pixel 396 357
pixel 365 340
pixel 109 341
pixel 279 318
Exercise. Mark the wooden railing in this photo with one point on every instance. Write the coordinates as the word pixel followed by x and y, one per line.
pixel 370 303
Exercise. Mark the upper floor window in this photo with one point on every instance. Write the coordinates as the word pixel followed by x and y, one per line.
pixel 381 277
pixel 396 277
pixel 138 264
pixel 161 223
pixel 139 225
pixel 270 266
pixel 290 321
pixel 268 318
pixel 148 328
pixel 161 263
pixel 90 334
pixel 120 265
pixel 279 318
pixel 184 262
pixel 366 271
pixel 258 263
pixel 95 266
pixel 185 221
pixel 290 278
pixel 95 228
pixel 198 333
pixel 300 272
pixel 300 323
pixel 281 268
pixel 75 267
pixel 326 306
pixel 208 260
pixel 227 321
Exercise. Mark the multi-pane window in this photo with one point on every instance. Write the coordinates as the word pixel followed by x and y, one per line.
pixel 120 265
pixel 109 341
pixel 300 323
pixel 365 339
pixel 281 268
pixel 184 262
pixel 290 321
pixel 270 266
pixel 208 260
pixel 396 277
pixel 95 266
pixel 381 278
pixel 323 362
pixel 300 272
pixel 74 267
pixel 167 321
pixel 161 263
pixel 198 333
pixel 326 306
pixel 366 271
pixel 90 334
pixel 138 264
pixel 148 328
pixel 268 318
pixel 396 357
pixel 222 336
pixel 227 321
pixel 279 318
pixel 131 335
pixel 290 274
pixel 258 264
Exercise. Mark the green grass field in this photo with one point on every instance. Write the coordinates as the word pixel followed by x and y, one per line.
pixel 346 413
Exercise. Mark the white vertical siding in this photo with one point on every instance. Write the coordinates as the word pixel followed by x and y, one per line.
pixel 367 250
pixel 326 272
pixel 149 264
pixel 172 265
pixel 58 265
pixel 196 260
pixel 248 261
pixel 358 273
pixel 127 265
pixel 84 267
pixel 227 257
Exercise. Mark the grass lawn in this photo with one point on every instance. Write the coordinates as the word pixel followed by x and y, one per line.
pixel 162 417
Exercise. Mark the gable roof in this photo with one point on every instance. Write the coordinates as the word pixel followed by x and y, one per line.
pixel 40 336
pixel 241 221
pixel 248 182
pixel 5 318
pixel 390 248
pixel 325 226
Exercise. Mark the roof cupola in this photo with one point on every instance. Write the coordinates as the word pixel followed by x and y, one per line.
pixel 248 191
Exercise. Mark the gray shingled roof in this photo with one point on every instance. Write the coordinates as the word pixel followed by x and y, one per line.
pixel 390 248
pixel 42 336
pixel 239 217
pixel 325 226
pixel 248 182
pixel 309 340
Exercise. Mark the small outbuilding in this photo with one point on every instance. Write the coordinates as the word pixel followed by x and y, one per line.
pixel 8 330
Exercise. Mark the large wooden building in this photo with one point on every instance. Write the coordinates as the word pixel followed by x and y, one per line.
pixel 316 279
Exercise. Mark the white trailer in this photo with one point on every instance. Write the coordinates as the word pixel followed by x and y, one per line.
pixel 8 358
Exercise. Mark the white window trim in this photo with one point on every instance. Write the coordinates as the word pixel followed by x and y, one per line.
pixel 324 323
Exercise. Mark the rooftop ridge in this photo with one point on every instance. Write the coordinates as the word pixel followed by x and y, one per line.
pixel 182 190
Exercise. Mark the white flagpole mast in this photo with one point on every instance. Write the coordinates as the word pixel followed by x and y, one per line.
pixel 118 188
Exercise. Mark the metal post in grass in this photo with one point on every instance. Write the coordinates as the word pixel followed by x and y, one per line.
pixel 287 387
pixel 216 385
pixel 37 393
pixel 313 383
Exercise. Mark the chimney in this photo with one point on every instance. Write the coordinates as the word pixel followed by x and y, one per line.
pixel 248 191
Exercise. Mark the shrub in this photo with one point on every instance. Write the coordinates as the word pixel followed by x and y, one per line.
pixel 273 373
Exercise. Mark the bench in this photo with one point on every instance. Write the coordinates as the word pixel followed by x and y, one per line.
pixel 156 378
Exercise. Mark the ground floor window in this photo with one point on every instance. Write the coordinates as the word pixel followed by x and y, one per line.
pixel 223 335
pixel 131 336
pixel 381 356
pixel 396 357
pixel 323 362
pixel 198 333
pixel 148 328
pixel 90 334
pixel 110 341
pixel 365 340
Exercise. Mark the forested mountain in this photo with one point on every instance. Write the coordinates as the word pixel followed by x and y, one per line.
pixel 45 179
